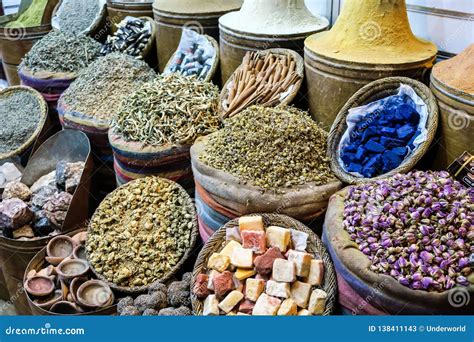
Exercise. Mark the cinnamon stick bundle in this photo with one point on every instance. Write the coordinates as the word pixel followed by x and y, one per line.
pixel 260 79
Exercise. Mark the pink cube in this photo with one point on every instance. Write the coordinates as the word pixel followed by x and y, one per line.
pixel 254 240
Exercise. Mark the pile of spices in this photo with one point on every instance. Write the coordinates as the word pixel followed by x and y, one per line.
pixel 140 232
pixel 264 271
pixel 67 269
pixel 418 228
pixel 61 52
pixel 381 140
pixel 458 72
pixel 161 300
pixel 76 16
pixel 261 79
pixel 39 210
pixel 270 148
pixel 21 114
pixel 171 110
pixel 274 17
pixel 99 89
pixel 372 31
pixel 131 38
pixel 31 17
pixel 194 57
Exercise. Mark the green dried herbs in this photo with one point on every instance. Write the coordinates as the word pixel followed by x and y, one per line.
pixel 271 148
pixel 141 231
pixel 61 52
pixel 99 89
pixel 171 110
pixel 20 113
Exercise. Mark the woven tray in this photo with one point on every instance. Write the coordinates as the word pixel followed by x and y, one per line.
pixel 315 247
pixel 372 92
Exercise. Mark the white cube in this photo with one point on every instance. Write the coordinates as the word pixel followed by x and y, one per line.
pixel 284 271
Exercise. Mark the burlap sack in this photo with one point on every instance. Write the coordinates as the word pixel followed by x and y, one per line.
pixel 304 203
pixel 378 290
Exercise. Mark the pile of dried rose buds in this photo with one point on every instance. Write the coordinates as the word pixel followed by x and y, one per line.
pixel 417 227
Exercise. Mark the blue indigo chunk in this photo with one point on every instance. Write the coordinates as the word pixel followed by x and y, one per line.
pixel 379 142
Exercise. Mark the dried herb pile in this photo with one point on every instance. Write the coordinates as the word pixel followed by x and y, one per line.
pixel 20 113
pixel 61 52
pixel 271 148
pixel 99 89
pixel 76 16
pixel 174 109
pixel 140 231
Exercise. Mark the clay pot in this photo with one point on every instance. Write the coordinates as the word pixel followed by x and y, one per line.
pixel 80 252
pixel 59 248
pixel 74 286
pixel 48 302
pixel 39 286
pixel 80 238
pixel 66 308
pixel 71 268
pixel 94 294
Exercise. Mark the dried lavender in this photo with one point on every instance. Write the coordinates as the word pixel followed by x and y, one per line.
pixel 99 89
pixel 61 52
pixel 76 16
pixel 271 148
pixel 416 227
pixel 21 113
pixel 171 110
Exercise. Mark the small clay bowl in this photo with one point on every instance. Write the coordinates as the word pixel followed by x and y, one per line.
pixel 74 286
pixel 71 268
pixel 59 248
pixel 94 294
pixel 39 286
pixel 48 302
pixel 65 308
pixel 80 252
pixel 80 238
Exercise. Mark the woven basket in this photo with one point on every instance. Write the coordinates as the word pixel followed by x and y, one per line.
pixel 282 52
pixel 212 71
pixel 372 92
pixel 315 247
pixel 40 130
pixel 142 289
